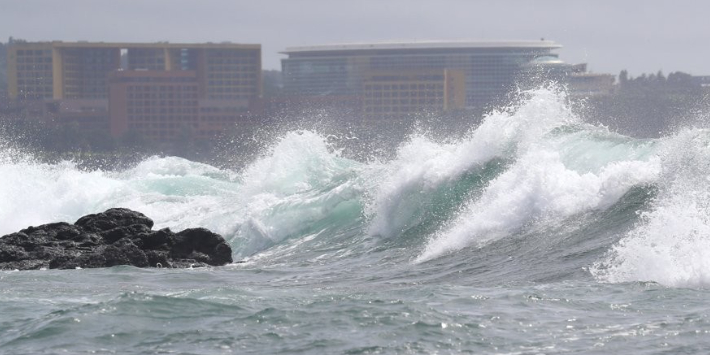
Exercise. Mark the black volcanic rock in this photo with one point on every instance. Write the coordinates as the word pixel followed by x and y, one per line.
pixel 117 236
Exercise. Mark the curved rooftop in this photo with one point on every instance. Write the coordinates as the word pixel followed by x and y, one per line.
pixel 543 44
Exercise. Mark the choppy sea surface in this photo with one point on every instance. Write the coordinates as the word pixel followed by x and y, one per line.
pixel 536 233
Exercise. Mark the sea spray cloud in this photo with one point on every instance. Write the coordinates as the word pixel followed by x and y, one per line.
pixel 539 184
pixel 297 184
pixel 538 188
pixel 671 243
pixel 423 165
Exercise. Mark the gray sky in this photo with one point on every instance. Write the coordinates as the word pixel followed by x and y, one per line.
pixel 641 36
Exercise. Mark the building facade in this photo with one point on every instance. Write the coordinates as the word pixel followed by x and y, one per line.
pixel 158 105
pixel 396 94
pixel 159 90
pixel 490 69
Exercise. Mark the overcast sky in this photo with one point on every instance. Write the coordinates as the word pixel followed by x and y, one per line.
pixel 643 36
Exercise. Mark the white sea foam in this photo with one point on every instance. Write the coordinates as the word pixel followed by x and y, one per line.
pixel 671 243
pixel 301 186
pixel 301 181
pixel 297 183
pixel 32 194
pixel 538 187
pixel 423 165
pixel 550 180
pixel 165 189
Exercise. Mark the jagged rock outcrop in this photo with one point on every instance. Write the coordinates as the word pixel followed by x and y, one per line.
pixel 118 236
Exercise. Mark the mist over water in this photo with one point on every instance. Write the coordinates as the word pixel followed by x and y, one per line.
pixel 532 217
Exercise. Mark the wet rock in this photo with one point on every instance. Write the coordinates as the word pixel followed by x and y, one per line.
pixel 113 218
pixel 118 236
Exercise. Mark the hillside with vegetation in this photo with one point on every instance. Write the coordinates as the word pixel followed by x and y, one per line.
pixel 3 67
pixel 650 105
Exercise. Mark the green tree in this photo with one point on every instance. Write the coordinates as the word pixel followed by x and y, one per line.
pixel 3 68
pixel 660 77
pixel 623 77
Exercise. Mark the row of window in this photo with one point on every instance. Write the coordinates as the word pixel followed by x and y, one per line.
pixel 163 96
pixel 36 91
pixel 229 89
pixel 147 79
pixel 246 91
pixel 232 61
pixel 396 94
pixel 154 67
pixel 405 102
pixel 222 109
pixel 228 96
pixel 26 69
pixel 147 59
pixel 35 52
pixel 35 60
pixel 429 87
pixel 93 61
pixel 233 82
pixel 232 68
pixel 404 95
pixel 82 71
pixel 434 77
pixel 231 75
pixel 162 111
pixel 162 88
pixel 84 82
pixel 138 121
pixel 378 109
pixel 35 81
pixel 163 125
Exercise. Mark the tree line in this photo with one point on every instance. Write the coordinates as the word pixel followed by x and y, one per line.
pixel 675 81
pixel 649 105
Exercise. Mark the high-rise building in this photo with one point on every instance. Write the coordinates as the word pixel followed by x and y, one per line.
pixel 140 87
pixel 490 69
pixel 155 104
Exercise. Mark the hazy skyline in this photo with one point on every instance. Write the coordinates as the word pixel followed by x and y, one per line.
pixel 641 36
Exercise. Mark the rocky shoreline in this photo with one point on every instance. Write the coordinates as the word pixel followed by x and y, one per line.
pixel 118 236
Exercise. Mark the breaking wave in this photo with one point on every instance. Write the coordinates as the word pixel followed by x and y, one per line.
pixel 522 172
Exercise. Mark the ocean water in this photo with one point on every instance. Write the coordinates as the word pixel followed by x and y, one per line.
pixel 534 233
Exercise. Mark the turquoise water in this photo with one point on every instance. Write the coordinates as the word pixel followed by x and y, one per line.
pixel 535 233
